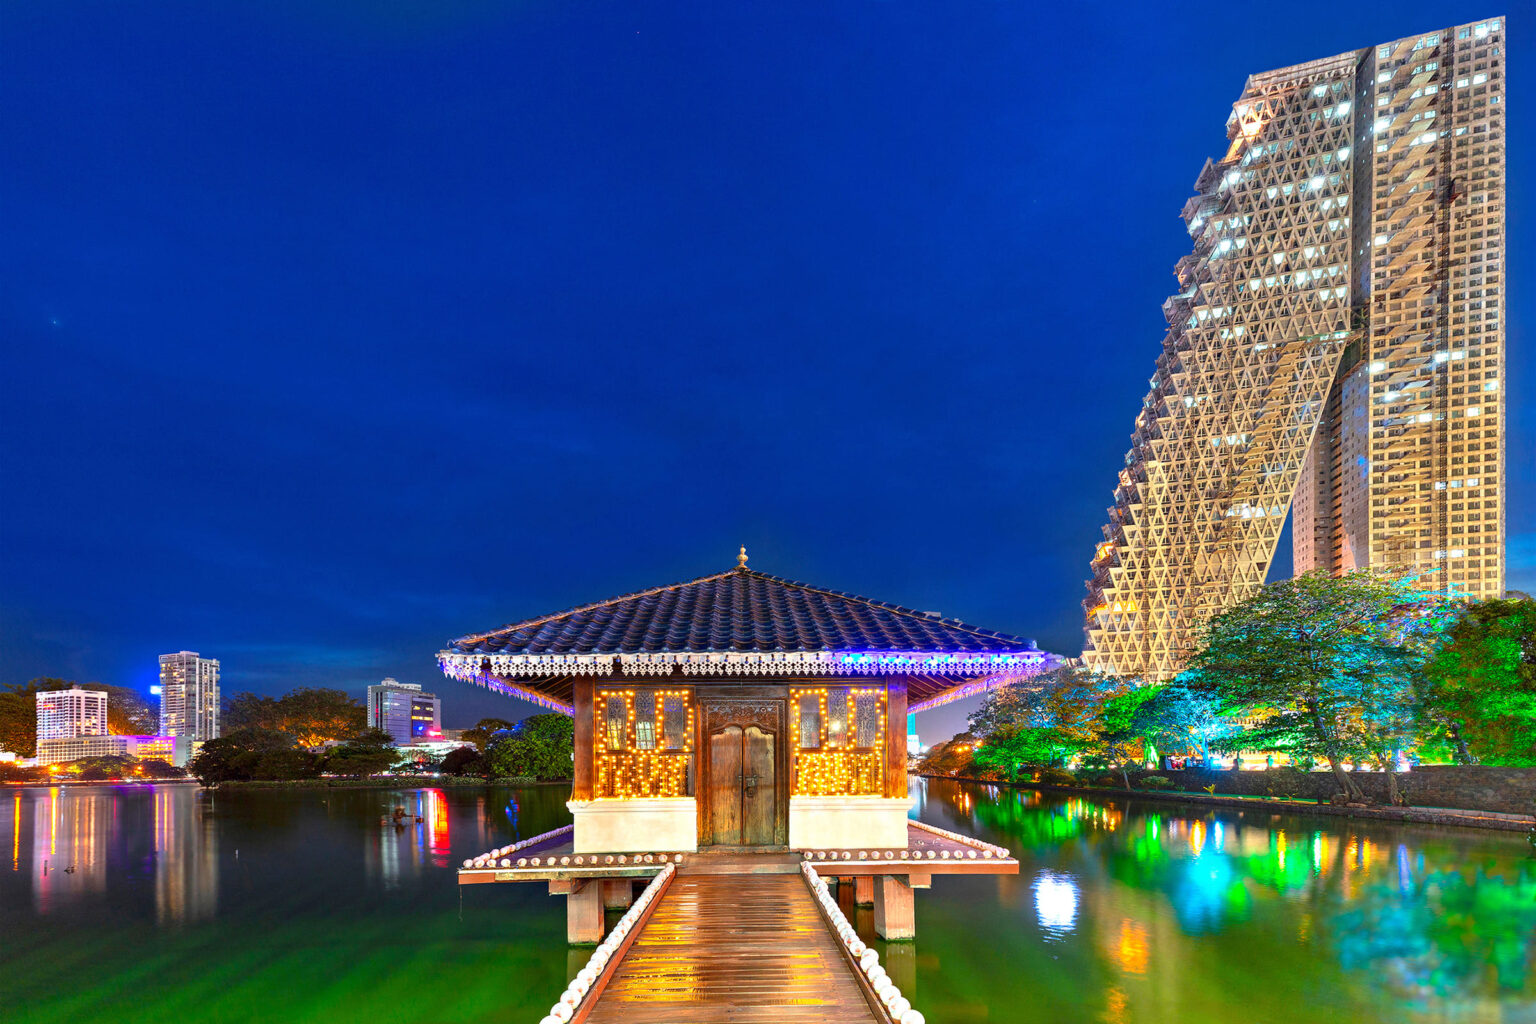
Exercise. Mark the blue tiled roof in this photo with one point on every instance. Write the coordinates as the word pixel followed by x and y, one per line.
pixel 741 610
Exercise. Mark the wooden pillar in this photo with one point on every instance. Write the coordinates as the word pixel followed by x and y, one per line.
pixel 896 737
pixel 584 914
pixel 581 785
pixel 894 919
pixel 863 890
pixel 618 893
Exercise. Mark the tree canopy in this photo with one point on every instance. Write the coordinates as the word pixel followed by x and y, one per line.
pixel 311 715
pixel 1319 666
pixel 540 746
pixel 1480 688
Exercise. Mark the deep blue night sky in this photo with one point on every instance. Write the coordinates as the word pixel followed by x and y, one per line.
pixel 331 333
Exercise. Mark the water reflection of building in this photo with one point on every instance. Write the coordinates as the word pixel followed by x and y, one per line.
pixel 186 857
pixel 397 849
pixel 69 844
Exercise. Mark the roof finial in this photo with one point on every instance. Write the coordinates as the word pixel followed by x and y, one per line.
pixel 741 559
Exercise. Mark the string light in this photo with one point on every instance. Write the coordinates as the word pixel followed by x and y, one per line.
pixel 628 771
pixel 844 769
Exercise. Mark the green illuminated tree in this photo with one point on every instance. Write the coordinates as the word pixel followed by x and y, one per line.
pixel 1479 694
pixel 1176 719
pixel 540 746
pixel 1323 667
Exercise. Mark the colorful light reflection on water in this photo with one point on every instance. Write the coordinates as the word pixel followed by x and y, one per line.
pixel 317 905
pixel 1145 910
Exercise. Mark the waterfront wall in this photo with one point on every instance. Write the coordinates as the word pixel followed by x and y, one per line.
pixel 1465 787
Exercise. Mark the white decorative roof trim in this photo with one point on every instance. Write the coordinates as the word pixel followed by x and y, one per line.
pixel 468 667
pixel 982 685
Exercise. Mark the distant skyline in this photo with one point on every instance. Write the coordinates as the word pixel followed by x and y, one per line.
pixel 335 332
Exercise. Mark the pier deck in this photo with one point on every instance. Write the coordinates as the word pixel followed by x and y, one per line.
pixel 733 948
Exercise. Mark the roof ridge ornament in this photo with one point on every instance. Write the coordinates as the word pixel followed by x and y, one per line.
pixel 741 559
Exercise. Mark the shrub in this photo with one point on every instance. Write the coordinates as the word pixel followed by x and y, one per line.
pixel 1056 777
pixel 1154 782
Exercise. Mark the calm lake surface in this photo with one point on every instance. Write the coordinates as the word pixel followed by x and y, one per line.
pixel 299 905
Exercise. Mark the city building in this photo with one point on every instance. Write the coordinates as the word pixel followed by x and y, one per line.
pixel 1337 338
pixel 66 714
pixel 176 750
pixel 189 696
pixel 63 749
pixel 404 711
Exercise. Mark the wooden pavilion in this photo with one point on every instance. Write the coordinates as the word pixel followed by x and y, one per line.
pixel 743 715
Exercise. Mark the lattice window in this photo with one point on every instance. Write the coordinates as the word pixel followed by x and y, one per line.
pixel 648 736
pixel 841 741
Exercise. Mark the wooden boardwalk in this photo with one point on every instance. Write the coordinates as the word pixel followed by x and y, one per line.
pixel 723 948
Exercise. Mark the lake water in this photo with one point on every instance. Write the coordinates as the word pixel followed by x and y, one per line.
pixel 158 904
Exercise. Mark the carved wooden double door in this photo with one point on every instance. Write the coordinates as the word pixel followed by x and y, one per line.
pixel 745 798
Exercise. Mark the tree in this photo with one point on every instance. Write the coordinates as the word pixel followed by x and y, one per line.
pixel 311 715
pixel 234 757
pixel 1175 718
pixel 18 721
pixel 367 753
pixel 953 756
pixel 1322 666
pixel 464 761
pixel 1479 693
pixel 1014 749
pixel 315 715
pixel 1052 719
pixel 484 729
pixel 1119 743
pixel 286 764
pixel 250 711
pixel 540 746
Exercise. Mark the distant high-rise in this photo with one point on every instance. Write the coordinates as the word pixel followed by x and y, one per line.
pixel 404 711
pixel 66 714
pixel 189 696
pixel 1337 337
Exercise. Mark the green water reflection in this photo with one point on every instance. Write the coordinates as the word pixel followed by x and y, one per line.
pixel 1145 911
pixel 150 904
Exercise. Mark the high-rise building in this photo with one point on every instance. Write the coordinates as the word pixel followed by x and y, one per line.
pixel 189 696
pixel 1337 337
pixel 404 711
pixel 66 714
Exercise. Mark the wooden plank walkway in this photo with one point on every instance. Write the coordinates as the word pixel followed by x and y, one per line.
pixel 721 948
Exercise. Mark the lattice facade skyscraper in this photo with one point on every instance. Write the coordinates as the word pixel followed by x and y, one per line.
pixel 1337 338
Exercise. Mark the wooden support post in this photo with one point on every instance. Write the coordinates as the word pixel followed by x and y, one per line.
pixel 618 893
pixel 863 890
pixel 584 915
pixel 896 738
pixel 894 919
pixel 581 770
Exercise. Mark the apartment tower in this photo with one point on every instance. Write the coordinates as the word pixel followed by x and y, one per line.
pixel 66 714
pixel 404 711
pixel 189 696
pixel 1337 339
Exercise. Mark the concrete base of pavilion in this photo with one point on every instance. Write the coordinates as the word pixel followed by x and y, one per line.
pixel 882 877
